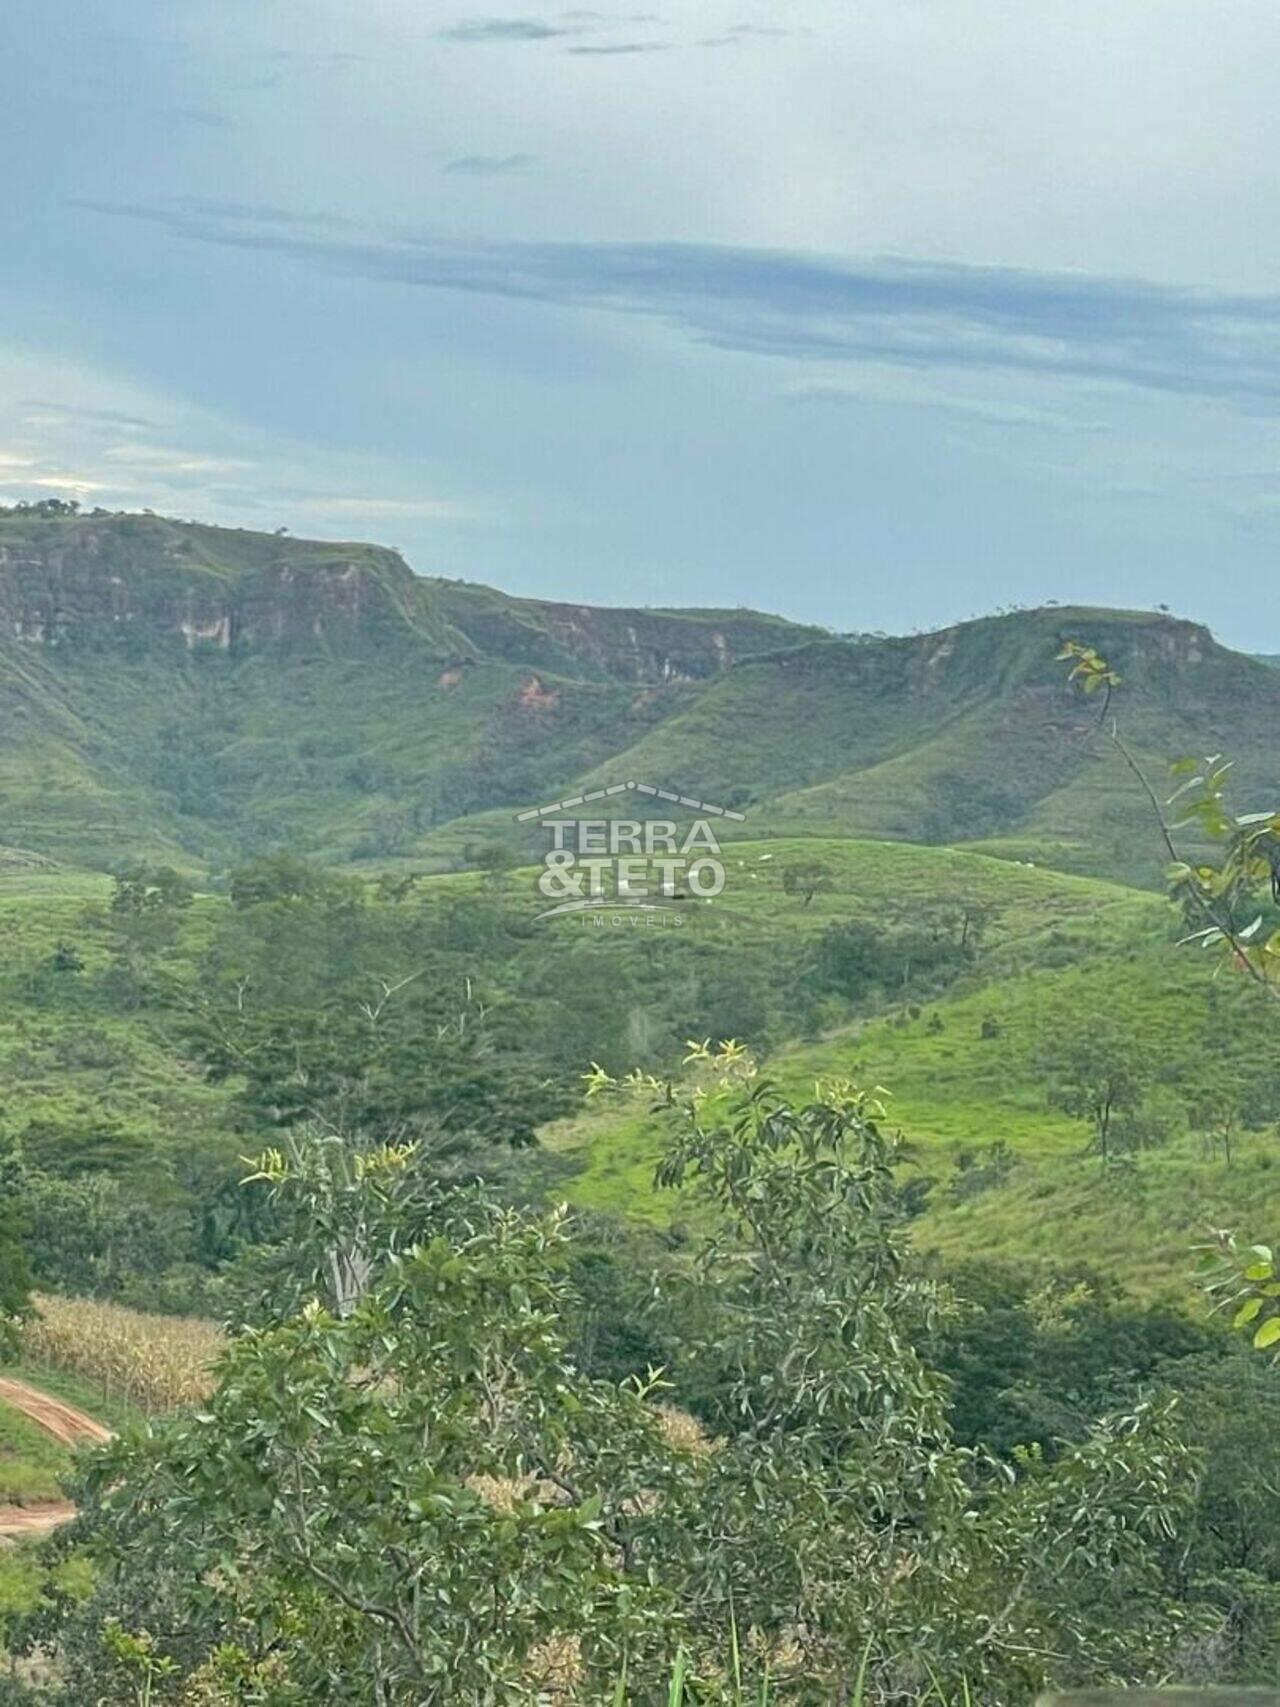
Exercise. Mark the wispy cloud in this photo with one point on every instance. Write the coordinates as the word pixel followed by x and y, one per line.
pixel 983 411
pixel 306 56
pixel 604 49
pixel 171 460
pixel 488 165
pixel 49 414
pixel 78 486
pixel 429 509
pixel 472 31
pixel 913 314
pixel 738 33
pixel 479 31
pixel 203 117
pixel 583 15
pixel 77 432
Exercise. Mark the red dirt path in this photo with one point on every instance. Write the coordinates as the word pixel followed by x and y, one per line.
pixel 65 1423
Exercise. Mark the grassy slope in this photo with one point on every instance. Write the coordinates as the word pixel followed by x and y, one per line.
pixel 1061 947
pixel 356 706
pixel 970 736
pixel 75 1060
pixel 82 1062
pixel 31 1461
pixel 202 759
pixel 1055 945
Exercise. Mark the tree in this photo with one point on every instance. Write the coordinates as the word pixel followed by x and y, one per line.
pixel 145 890
pixel 285 878
pixel 807 878
pixel 403 1059
pixel 418 1496
pixel 1096 1073
pixel 15 1272
pixel 1219 897
pixel 1219 1106
pixel 66 958
pixel 1216 897
pixel 493 858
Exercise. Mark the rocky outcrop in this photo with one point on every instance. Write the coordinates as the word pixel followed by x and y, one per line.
pixel 144 582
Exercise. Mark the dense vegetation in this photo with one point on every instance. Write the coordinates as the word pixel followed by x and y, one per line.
pixel 818 1391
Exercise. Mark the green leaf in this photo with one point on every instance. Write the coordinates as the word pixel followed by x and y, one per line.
pixel 675 1695
pixel 1267 1334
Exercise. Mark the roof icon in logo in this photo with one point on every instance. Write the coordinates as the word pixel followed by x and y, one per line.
pixel 591 796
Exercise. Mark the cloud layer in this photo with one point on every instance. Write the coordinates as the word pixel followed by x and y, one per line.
pixel 784 304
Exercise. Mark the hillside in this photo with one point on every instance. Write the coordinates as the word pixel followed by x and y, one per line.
pixel 998 1172
pixel 968 736
pixel 110 1092
pixel 195 694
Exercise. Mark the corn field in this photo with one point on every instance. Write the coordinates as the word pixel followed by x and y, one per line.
pixel 157 1363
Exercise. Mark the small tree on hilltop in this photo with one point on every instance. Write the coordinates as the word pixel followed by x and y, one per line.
pixel 807 879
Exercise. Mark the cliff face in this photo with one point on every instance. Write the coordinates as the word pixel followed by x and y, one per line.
pixel 147 582
pixel 168 687
pixel 200 693
pixel 600 643
pixel 144 581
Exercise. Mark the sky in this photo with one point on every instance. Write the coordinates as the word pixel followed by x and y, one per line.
pixel 876 313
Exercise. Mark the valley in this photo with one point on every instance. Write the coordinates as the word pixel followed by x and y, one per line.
pixel 276 994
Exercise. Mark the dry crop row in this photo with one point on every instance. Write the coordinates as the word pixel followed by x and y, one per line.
pixel 154 1362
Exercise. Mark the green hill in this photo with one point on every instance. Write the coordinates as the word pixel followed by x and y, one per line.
pixel 195 693
pixel 998 1172
pixel 169 690
pixel 969 735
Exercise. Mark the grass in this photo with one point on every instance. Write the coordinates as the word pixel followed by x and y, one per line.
pixel 31 1461
pixel 963 1074
pixel 1054 945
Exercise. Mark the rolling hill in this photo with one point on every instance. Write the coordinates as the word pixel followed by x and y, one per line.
pixel 175 691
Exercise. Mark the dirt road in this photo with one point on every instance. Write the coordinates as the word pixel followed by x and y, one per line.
pixel 65 1423
pixel 26 1522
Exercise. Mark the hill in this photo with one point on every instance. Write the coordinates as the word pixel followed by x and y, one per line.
pixel 969 736
pixel 170 690
pixel 117 1094
pixel 196 694
pixel 998 1171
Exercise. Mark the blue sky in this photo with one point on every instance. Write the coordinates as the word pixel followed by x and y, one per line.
pixel 878 314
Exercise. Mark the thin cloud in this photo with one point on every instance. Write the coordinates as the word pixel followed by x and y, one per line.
pixel 786 304
pixel 303 56
pixel 201 116
pixel 479 30
pixel 737 33
pixel 489 165
pixel 46 413
pixel 622 47
pixel 429 509
pixel 983 411
pixel 79 486
pixel 167 459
